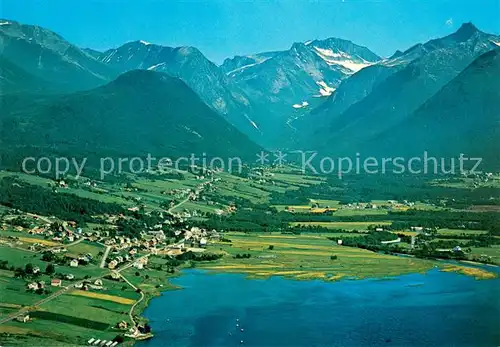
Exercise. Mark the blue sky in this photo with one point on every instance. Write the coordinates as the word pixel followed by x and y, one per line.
pixel 223 28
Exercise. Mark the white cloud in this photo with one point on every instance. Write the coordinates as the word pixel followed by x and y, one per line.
pixel 449 22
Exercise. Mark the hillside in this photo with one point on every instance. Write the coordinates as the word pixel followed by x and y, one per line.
pixel 381 96
pixel 191 66
pixel 462 117
pixel 46 56
pixel 138 113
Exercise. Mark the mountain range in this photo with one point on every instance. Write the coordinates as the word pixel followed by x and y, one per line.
pixel 329 95
pixel 393 90
pixel 450 125
pixel 138 113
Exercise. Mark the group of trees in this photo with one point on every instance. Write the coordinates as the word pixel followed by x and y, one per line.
pixel 258 218
pixel 29 270
pixel 192 256
pixel 362 188
pixel 26 197
pixel 242 256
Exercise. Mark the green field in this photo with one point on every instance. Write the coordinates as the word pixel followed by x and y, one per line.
pixel 461 232
pixel 343 225
pixel 85 247
pixel 306 257
pixel 19 258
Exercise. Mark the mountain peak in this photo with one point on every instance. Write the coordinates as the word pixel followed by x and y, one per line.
pixel 396 54
pixel 465 31
pixel 145 80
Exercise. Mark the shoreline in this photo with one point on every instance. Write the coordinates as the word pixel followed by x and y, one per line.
pixel 345 279
pixel 449 267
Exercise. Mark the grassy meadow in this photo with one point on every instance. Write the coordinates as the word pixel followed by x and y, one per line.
pixel 306 257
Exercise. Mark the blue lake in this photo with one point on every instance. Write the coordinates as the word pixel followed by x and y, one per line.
pixel 435 309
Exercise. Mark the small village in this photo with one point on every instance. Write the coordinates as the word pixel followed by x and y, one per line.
pixel 124 259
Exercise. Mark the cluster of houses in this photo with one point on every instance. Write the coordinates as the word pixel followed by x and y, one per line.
pixel 120 259
pixel 83 259
pixel 34 286
pixel 177 193
pixel 198 237
pixel 64 234
pixel 96 285
pixel 122 242
pixel 38 285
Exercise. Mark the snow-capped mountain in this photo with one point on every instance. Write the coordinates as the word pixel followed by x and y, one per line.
pixel 439 60
pixel 393 89
pixel 338 52
pixel 280 81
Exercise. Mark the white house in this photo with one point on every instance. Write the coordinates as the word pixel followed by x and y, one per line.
pixel 203 242
pixel 33 286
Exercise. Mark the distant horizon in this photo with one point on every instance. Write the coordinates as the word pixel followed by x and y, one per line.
pixel 250 54
pixel 223 29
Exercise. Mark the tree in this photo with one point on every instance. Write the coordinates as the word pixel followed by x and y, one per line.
pixel 19 272
pixel 48 256
pixel 50 269
pixel 119 339
pixel 271 247
pixel 28 269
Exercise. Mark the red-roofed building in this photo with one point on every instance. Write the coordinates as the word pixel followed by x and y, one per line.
pixel 56 282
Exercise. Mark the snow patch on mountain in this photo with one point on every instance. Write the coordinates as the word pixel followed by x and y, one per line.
pixel 155 66
pixel 329 53
pixel 325 89
pixel 302 105
pixel 244 67
pixel 107 58
pixel 145 42
pixel 254 125
pixel 188 129
pixel 4 23
pixel 342 59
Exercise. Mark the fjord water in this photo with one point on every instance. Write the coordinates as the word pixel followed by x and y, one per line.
pixel 433 309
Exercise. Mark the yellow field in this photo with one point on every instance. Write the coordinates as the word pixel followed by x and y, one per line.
pixel 479 274
pixel 263 272
pixel 40 241
pixel 340 252
pixel 257 244
pixel 107 297
pixel 407 233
